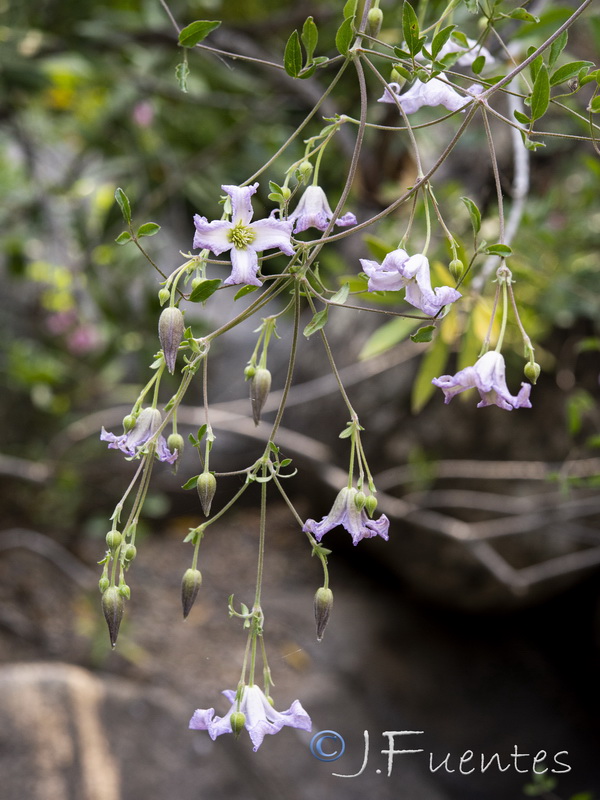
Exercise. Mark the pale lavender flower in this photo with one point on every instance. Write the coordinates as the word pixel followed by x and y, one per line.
pixel 314 211
pixel 261 717
pixel 488 377
pixel 401 271
pixel 241 236
pixel 346 513
pixel 436 92
pixel 148 422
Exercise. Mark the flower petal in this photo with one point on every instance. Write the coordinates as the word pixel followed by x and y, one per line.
pixel 212 235
pixel 272 233
pixel 244 263
pixel 241 204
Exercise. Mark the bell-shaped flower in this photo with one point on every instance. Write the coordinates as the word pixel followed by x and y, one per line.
pixel 260 716
pixel 398 271
pixel 314 211
pixel 436 92
pixel 488 377
pixel 146 426
pixel 347 513
pixel 242 237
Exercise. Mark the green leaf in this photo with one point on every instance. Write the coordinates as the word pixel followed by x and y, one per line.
pixel 424 334
pixel 556 48
pixel 292 57
pixel 203 290
pixel 317 322
pixel 522 118
pixel 197 31
pixel 148 229
pixel 182 72
pixel 502 250
pixel 568 71
pixel 244 291
pixel 440 39
pixel 594 105
pixel 350 9
pixel 529 143
pixel 310 37
pixel 535 65
pixel 341 295
pixel 387 336
pixel 540 97
pixel 191 484
pixel 123 238
pixel 478 64
pixel 474 213
pixel 520 13
pixel 432 366
pixel 410 28
pixel 124 204
pixel 344 36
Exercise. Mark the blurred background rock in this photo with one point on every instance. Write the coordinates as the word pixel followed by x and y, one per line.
pixel 477 623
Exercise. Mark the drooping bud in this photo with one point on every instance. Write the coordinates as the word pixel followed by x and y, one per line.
pixel 170 333
pixel 371 504
pixel 113 606
pixel 374 21
pixel 129 554
pixel 323 604
pixel 237 721
pixel 249 372
pixel 164 296
pixel 457 269
pixel 360 499
pixel 532 371
pixel 260 386
pixel 206 486
pixel 305 171
pixel 175 443
pixel 129 422
pixel 190 585
pixel 103 583
pixel 113 539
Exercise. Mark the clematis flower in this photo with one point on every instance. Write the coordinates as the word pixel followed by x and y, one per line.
pixel 148 422
pixel 436 92
pixel 260 716
pixel 313 211
pixel 241 236
pixel 488 377
pixel 346 513
pixel 401 271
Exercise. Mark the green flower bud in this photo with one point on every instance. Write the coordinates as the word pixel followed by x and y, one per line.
pixel 305 171
pixel 170 333
pixel 237 721
pixel 323 604
pixel 113 606
pixel 371 505
pixel 129 553
pixel 374 21
pixel 190 585
pixel 103 583
pixel 259 391
pixel 129 422
pixel 457 269
pixel 249 372
pixel 124 591
pixel 360 499
pixel 113 539
pixel 532 371
pixel 206 486
pixel 175 442
pixel 164 296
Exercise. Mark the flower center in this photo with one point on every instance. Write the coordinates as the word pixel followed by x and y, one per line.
pixel 241 236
